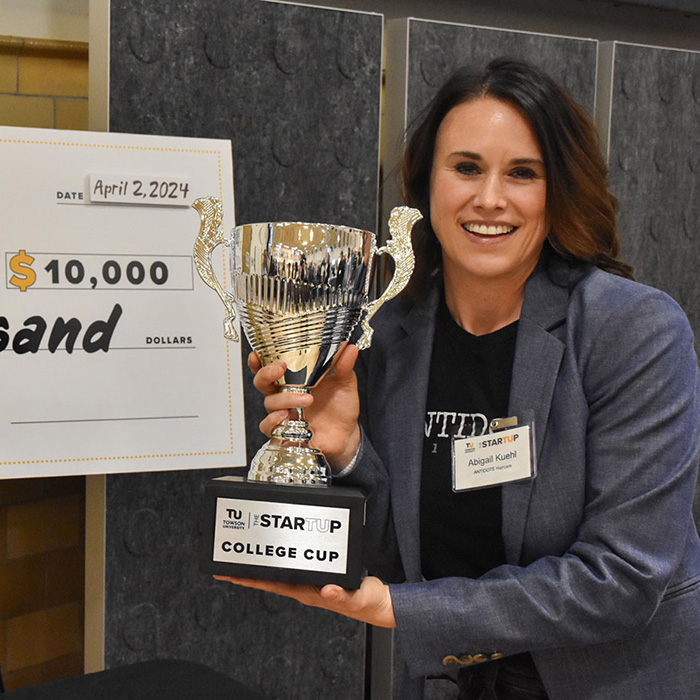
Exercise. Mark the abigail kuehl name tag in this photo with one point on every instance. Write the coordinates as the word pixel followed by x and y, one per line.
pixel 496 458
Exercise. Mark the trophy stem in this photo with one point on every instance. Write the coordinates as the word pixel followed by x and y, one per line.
pixel 288 458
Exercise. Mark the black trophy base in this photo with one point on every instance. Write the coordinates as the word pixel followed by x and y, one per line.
pixel 280 532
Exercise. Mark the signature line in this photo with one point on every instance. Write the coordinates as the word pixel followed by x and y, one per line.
pixel 96 420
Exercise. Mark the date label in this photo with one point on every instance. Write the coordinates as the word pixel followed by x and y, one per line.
pixel 131 189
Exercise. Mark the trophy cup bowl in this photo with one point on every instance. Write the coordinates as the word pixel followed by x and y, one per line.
pixel 299 290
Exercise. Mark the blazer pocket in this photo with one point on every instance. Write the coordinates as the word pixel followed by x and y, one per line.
pixel 682 588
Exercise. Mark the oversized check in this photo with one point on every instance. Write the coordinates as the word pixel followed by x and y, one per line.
pixel 112 355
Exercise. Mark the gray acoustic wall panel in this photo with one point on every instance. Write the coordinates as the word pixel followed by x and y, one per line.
pixel 436 50
pixel 688 7
pixel 654 157
pixel 297 90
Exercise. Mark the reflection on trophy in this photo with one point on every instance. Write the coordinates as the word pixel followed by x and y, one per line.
pixel 299 290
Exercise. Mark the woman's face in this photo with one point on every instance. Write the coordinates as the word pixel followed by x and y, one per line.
pixel 487 193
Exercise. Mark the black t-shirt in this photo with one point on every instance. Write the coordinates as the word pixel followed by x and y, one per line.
pixel 461 533
pixel 469 386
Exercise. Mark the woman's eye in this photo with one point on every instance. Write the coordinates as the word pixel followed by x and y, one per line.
pixel 524 174
pixel 467 168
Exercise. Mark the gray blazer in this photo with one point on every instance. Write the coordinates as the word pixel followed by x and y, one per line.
pixel 602 583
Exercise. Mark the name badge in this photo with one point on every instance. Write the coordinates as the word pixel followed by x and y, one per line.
pixel 497 458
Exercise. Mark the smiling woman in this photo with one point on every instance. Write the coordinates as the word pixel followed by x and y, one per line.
pixel 543 582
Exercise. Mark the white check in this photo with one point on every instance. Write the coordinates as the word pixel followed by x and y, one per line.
pixel 111 348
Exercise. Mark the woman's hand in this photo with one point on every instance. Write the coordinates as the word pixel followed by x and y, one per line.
pixel 370 603
pixel 331 409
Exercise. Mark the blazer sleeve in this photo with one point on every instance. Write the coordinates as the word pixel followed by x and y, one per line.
pixel 380 548
pixel 637 368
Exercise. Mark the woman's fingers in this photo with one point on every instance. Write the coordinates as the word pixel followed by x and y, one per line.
pixel 345 363
pixel 331 409
pixel 271 421
pixel 371 603
pixel 254 362
pixel 308 595
pixel 266 378
pixel 284 400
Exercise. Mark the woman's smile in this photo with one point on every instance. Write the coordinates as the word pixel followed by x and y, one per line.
pixel 489 230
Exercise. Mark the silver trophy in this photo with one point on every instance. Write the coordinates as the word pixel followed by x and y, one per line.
pixel 299 290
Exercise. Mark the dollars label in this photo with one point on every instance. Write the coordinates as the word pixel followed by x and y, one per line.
pixel 24 276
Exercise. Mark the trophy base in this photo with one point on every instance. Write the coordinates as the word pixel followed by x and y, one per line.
pixel 274 532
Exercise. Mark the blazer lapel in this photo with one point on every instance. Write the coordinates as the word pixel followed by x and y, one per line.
pixel 538 355
pixel 407 385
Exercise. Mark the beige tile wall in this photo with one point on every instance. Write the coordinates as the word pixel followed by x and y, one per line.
pixel 42 557
pixel 42 551
pixel 43 83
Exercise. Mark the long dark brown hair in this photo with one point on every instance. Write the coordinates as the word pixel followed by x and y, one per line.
pixel 580 207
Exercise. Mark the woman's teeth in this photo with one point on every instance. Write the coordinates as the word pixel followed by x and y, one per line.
pixel 490 230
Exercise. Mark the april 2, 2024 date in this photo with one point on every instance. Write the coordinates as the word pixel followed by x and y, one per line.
pixel 132 190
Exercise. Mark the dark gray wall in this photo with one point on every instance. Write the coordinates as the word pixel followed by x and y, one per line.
pixel 655 170
pixel 436 50
pixel 655 167
pixel 297 90
pixel 603 20
pixel 689 7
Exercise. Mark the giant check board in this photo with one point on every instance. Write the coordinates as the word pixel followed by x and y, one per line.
pixel 112 357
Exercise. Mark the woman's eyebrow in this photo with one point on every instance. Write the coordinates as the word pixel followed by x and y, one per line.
pixel 527 161
pixel 471 155
pixel 466 154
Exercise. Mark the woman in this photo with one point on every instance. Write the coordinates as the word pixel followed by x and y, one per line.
pixel 581 582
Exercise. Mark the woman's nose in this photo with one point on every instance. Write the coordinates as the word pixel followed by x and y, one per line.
pixel 490 193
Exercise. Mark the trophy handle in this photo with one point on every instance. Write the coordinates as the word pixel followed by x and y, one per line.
pixel 211 213
pixel 401 221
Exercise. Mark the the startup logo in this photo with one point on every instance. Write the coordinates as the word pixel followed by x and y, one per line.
pixel 286 522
